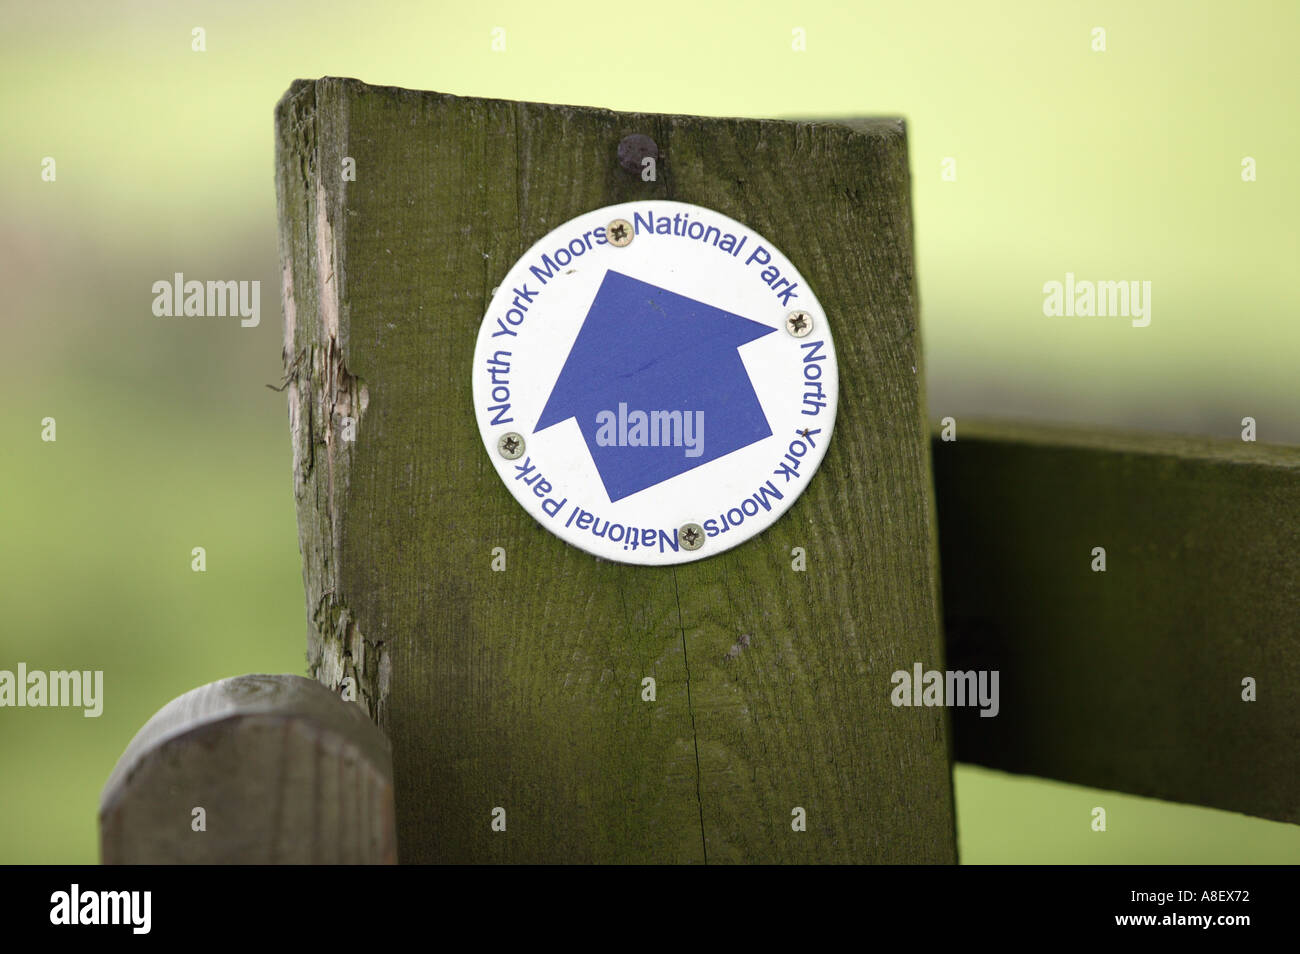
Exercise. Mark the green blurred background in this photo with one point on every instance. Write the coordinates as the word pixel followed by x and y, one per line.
pixel 1123 164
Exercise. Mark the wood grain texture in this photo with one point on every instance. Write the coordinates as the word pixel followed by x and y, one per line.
pixel 1129 679
pixel 521 689
pixel 285 770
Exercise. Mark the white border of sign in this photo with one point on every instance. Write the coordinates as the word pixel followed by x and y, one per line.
pixel 525 339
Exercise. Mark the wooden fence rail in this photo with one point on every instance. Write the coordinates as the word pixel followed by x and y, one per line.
pixel 1135 678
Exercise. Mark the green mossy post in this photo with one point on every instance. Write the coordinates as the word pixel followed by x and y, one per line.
pixel 1131 678
pixel 522 689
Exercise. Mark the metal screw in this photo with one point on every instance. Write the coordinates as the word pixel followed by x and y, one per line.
pixel 634 149
pixel 619 233
pixel 511 446
pixel 692 536
pixel 799 323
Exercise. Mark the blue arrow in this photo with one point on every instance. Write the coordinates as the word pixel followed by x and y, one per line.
pixel 649 349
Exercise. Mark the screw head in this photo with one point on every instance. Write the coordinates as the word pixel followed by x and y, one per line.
pixel 635 148
pixel 691 536
pixel 799 323
pixel 511 446
pixel 619 233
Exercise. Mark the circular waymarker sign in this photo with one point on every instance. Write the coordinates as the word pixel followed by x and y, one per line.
pixel 655 382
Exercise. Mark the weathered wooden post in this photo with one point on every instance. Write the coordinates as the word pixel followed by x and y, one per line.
pixel 254 769
pixel 516 700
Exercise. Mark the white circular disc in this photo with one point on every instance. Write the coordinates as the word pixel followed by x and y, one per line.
pixel 658 401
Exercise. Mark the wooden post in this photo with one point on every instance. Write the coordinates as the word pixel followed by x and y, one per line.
pixel 1129 674
pixel 518 695
pixel 252 770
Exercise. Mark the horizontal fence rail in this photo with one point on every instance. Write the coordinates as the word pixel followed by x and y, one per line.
pixel 1138 596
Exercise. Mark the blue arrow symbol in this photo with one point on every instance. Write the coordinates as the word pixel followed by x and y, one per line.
pixel 646 349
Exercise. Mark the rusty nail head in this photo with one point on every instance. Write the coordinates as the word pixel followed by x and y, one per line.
pixel 691 536
pixel 633 149
pixel 619 233
pixel 511 446
pixel 799 323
